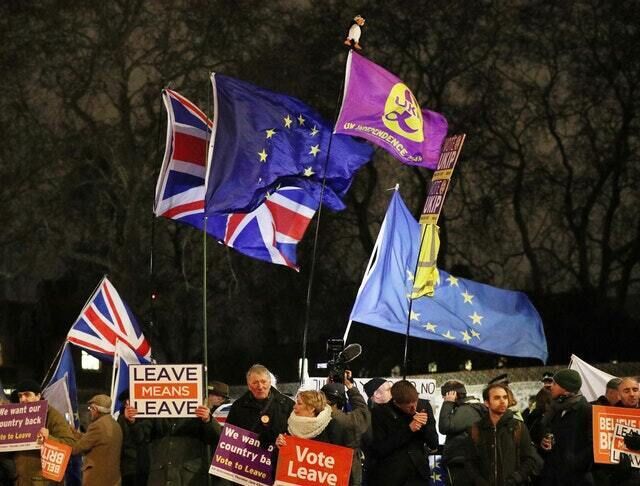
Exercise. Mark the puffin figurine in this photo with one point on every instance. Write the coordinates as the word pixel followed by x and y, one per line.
pixel 355 30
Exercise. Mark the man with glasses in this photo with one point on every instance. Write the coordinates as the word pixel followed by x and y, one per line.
pixel 101 445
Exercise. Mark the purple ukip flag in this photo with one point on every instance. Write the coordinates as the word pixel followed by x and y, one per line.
pixel 379 107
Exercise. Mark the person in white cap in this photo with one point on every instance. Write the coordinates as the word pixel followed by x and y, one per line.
pixel 100 445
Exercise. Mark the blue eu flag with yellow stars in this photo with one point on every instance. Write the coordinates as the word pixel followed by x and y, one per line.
pixel 262 140
pixel 461 312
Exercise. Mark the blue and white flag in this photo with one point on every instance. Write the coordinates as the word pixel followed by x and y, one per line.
pixel 461 312
pixel 262 140
pixel 63 381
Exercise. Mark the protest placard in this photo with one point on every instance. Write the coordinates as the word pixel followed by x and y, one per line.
pixel 618 447
pixel 304 462
pixel 168 391
pixel 239 458
pixel 54 457
pixel 20 424
pixel 605 420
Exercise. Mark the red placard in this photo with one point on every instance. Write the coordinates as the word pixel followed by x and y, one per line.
pixel 54 457
pixel 304 462
pixel 605 420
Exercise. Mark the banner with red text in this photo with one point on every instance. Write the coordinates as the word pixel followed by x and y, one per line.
pixel 304 462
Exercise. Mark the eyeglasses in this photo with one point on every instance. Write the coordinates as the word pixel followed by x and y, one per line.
pixel 91 407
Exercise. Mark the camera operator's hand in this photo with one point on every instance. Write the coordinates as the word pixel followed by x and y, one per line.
pixel 348 381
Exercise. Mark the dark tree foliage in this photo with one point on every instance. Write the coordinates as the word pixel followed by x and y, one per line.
pixel 544 200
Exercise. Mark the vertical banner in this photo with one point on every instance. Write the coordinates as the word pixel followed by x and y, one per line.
pixel 605 423
pixel 239 458
pixel 20 424
pixel 304 462
pixel 167 391
pixel 54 457
pixel 441 179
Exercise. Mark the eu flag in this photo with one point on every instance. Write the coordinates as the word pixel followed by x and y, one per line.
pixel 262 140
pixel 461 312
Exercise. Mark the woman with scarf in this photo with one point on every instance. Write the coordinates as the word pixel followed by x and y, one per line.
pixel 311 419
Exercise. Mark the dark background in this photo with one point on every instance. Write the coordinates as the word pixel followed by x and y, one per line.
pixel 544 198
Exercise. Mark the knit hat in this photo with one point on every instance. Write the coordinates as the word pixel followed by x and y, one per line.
pixel 614 383
pixel 29 386
pixel 372 385
pixel 568 379
pixel 102 403
pixel 218 388
pixel 335 393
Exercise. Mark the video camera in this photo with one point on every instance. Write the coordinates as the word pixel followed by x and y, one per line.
pixel 339 356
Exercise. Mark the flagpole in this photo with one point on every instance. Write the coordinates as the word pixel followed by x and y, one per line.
pixel 415 273
pixel 152 280
pixel 204 304
pixel 55 359
pixel 307 314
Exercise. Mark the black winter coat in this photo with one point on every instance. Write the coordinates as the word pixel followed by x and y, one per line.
pixel 454 422
pixel 247 412
pixel 501 455
pixel 570 460
pixel 398 454
pixel 178 449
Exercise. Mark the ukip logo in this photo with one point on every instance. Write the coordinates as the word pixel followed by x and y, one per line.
pixel 402 113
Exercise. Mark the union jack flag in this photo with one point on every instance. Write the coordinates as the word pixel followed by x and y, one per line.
pixel 105 320
pixel 270 232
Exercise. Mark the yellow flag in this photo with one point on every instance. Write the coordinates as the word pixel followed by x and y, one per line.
pixel 427 272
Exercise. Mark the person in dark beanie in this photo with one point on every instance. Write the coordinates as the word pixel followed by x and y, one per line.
pixel 378 390
pixel 355 422
pixel 567 445
pixel 28 465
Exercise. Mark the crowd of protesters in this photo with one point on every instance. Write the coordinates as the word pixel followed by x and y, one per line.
pixel 488 442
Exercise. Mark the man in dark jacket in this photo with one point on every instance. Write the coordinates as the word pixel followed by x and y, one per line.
pixel 27 463
pixel 458 413
pixel 401 429
pixel 499 451
pixel 568 452
pixel 355 422
pixel 262 409
pixel 178 447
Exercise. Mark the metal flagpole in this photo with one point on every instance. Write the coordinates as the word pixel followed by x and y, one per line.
pixel 307 314
pixel 205 352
